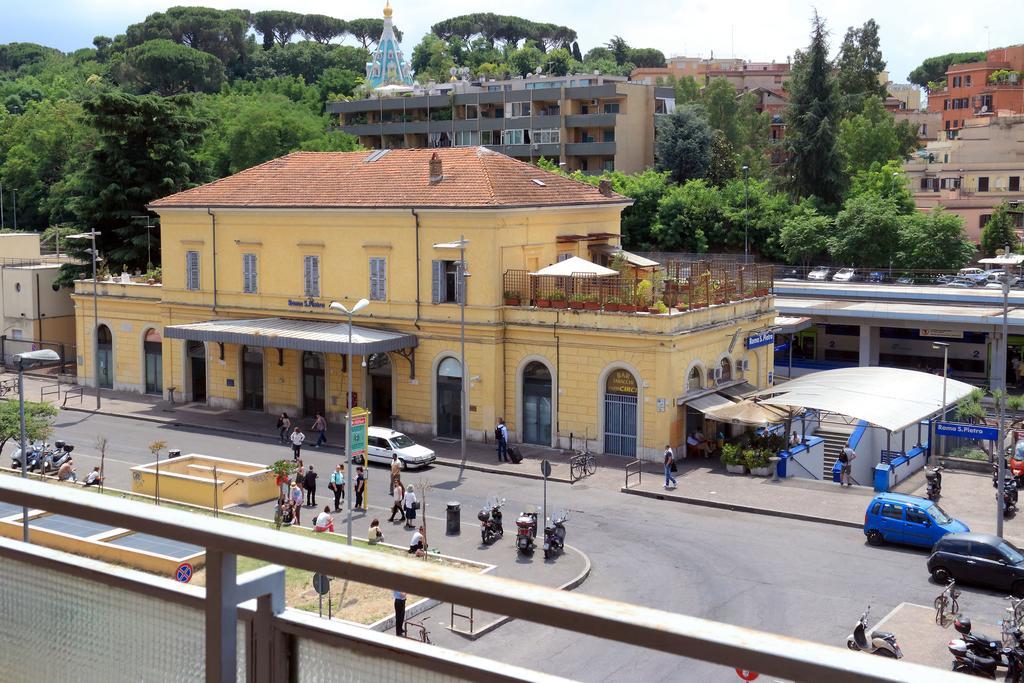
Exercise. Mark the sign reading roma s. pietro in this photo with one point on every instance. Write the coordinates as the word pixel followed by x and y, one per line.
pixel 756 339
pixel 964 431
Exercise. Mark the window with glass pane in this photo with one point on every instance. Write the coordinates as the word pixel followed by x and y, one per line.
pixel 249 273
pixel 546 136
pixel 192 270
pixel 378 279
pixel 311 276
pixel 611 108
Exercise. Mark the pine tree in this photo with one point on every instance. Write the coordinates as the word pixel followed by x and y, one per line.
pixel 814 165
pixel 859 65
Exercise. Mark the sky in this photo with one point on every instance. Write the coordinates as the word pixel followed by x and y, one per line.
pixel 750 29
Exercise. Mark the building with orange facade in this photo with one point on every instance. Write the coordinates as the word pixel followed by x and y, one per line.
pixel 993 87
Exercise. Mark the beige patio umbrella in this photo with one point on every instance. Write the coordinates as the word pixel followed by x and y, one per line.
pixel 749 412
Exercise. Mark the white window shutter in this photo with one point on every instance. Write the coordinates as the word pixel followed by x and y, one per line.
pixel 437 293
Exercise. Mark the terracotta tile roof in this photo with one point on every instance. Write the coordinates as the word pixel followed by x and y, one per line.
pixel 472 177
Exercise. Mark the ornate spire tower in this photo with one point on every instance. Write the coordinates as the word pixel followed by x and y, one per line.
pixel 387 67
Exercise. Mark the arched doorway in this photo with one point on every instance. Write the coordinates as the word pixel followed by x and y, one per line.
pixel 379 365
pixel 105 357
pixel 726 370
pixel 620 408
pixel 153 353
pixel 449 398
pixel 196 353
pixel 694 381
pixel 313 381
pixel 252 378
pixel 536 418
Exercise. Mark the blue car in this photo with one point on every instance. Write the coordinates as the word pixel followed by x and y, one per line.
pixel 898 518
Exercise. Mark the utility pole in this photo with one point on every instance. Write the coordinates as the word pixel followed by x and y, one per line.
pixel 14 194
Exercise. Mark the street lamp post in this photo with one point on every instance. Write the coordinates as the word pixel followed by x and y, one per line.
pixel 362 303
pixel 149 233
pixel 461 276
pixel 746 220
pixel 92 234
pixel 1007 260
pixel 29 359
pixel 945 374
pixel 14 198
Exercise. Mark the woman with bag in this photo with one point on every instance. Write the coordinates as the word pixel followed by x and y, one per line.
pixel 410 504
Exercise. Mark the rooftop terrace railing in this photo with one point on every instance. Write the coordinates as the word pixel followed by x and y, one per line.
pixel 125 625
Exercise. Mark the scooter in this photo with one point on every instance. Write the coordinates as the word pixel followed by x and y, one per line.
pixel 882 643
pixel 1009 497
pixel 526 531
pixel 490 522
pixel 978 655
pixel 978 643
pixel 554 535
pixel 57 457
pixel 934 478
pixel 36 452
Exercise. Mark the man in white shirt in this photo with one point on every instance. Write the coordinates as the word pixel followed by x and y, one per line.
pixel 297 437
pixel 416 544
pixel 846 457
pixel 94 478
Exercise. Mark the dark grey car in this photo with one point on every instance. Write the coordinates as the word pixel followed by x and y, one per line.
pixel 981 559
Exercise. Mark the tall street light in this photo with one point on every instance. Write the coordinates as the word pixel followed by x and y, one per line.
pixel 1006 260
pixel 746 222
pixel 92 234
pixel 24 361
pixel 945 375
pixel 461 275
pixel 149 233
pixel 338 306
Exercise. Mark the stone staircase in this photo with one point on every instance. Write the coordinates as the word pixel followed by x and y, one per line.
pixel 835 441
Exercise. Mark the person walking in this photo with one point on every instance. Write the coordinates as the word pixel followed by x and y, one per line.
pixel 409 504
pixel 297 438
pixel 846 457
pixel 399 613
pixel 669 461
pixel 337 485
pixel 396 471
pixel 309 483
pixel 320 427
pixel 297 504
pixel 397 501
pixel 501 439
pixel 284 427
pixel 360 487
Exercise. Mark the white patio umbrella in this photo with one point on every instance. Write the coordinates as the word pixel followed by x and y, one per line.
pixel 576 266
pixel 393 89
pixel 749 412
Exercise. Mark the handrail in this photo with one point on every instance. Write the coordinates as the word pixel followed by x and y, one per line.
pixel 658 630
pixel 793 459
pixel 639 465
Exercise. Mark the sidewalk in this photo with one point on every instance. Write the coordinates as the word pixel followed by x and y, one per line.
pixel 479 456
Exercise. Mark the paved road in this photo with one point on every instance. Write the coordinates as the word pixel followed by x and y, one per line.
pixel 795 578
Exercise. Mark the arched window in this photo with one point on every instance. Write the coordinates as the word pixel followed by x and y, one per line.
pixel 695 381
pixel 450 367
pixel 620 412
pixel 726 366
pixel 105 357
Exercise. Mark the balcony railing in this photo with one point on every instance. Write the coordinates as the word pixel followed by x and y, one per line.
pixel 677 285
pixel 112 623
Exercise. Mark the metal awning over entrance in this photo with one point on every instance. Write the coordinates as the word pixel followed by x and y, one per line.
pixel 301 335
pixel 706 403
pixel 738 391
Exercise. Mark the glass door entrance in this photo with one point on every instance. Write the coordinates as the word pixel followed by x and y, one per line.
pixel 252 378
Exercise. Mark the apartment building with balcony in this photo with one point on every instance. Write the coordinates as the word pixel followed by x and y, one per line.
pixel 590 123
pixel 993 87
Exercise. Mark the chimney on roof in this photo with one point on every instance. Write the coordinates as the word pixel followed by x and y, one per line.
pixel 605 188
pixel 435 169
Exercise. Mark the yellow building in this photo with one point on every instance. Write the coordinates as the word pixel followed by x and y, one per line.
pixel 251 263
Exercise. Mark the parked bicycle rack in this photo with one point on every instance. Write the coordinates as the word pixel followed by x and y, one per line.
pixel 73 392
pixel 635 468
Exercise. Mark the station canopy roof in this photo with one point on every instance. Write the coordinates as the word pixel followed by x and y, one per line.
pixel 891 398
pixel 285 333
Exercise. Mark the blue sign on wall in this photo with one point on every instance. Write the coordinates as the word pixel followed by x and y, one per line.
pixel 976 432
pixel 759 339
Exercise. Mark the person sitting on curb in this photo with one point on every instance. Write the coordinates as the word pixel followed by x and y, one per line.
pixel 324 521
pixel 94 478
pixel 67 472
pixel 417 544
pixel 375 535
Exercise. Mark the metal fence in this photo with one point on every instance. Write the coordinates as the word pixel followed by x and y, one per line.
pixel 238 626
pixel 9 348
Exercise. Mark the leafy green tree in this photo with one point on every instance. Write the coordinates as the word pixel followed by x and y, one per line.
pixel 596 53
pixel 870 137
pixel 367 31
pixel 687 90
pixel 719 99
pixel 754 213
pixel 646 57
pixel 14 56
pixel 168 68
pixel 307 59
pixel 934 69
pixel 142 154
pixel 39 419
pixel 723 160
pixel 753 130
pixel 859 64
pixel 525 60
pixel 277 26
pixel 646 189
pixel 887 181
pixel 576 54
pixel 934 240
pixel 815 164
pixel 866 232
pixel 804 235
pixel 221 33
pixel 556 62
pixel 998 232
pixel 292 87
pixel 619 49
pixel 431 59
pixel 682 144
pixel 685 213
pixel 335 82
pixel 321 28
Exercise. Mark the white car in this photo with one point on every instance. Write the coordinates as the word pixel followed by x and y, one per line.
pixel 845 275
pixel 820 273
pixel 382 443
pixel 994 279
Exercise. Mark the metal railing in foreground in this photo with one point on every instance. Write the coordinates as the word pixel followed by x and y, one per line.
pixel 224 540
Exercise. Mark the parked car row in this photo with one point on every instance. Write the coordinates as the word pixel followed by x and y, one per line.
pixel 965 278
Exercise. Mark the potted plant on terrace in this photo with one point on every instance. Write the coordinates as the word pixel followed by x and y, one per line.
pixel 732 458
pixel 757 461
pixel 543 299
pixel 558 300
pixel 613 303
pixel 658 308
pixel 576 302
pixel 591 302
pixel 512 298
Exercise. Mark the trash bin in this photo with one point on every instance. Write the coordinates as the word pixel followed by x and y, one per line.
pixel 174 453
pixel 453 518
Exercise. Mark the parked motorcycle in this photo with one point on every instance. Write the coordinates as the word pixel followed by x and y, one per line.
pixel 36 452
pixel 979 655
pixel 1010 497
pixel 881 643
pixel 934 478
pixel 554 535
pixel 490 522
pixel 526 531
pixel 60 454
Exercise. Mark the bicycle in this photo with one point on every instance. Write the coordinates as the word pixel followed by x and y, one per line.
pixel 424 634
pixel 582 464
pixel 1012 625
pixel 947 599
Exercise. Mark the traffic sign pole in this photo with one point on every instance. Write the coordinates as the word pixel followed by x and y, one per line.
pixel 545 469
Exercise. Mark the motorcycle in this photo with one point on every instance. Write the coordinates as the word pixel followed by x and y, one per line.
pixel 934 478
pixel 57 457
pixel 526 531
pixel 1009 497
pixel 554 535
pixel 882 643
pixel 36 453
pixel 490 522
pixel 979 655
